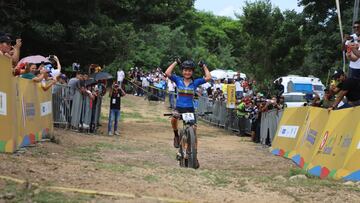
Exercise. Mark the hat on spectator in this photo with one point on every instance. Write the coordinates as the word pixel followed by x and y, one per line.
pixel 63 76
pixel 4 37
pixel 338 73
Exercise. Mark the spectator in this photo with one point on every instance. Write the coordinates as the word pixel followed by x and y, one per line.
pixel 349 87
pixel 47 82
pixel 279 88
pixel 242 115
pixel 76 66
pixel 6 49
pixel 239 89
pixel 171 89
pixel 328 99
pixel 353 53
pixel 31 73
pixel 115 105
pixel 120 77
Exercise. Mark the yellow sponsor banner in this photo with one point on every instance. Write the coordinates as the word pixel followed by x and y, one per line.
pixel 231 97
pixel 312 134
pixel 326 144
pixel 350 170
pixel 30 123
pixel 335 142
pixel 45 115
pixel 25 110
pixel 8 117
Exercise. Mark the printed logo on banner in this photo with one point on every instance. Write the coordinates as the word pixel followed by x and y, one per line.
pixel 346 141
pixel 29 110
pixel 45 108
pixel 311 136
pixel 323 142
pixel 3 107
pixel 288 131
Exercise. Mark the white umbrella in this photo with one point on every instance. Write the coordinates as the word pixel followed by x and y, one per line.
pixel 218 74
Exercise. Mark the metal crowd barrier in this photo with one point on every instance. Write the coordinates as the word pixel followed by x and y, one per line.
pixel 61 105
pixel 269 122
pixel 221 116
pixel 72 109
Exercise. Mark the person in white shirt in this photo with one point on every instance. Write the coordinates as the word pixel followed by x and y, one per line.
pixel 352 42
pixel 171 89
pixel 120 77
pixel 239 89
pixel 145 83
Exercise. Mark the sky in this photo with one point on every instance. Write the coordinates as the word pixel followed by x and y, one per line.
pixel 228 7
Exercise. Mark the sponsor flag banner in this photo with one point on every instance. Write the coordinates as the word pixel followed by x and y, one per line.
pixel 231 97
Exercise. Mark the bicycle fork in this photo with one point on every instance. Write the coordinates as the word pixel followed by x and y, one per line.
pixel 184 144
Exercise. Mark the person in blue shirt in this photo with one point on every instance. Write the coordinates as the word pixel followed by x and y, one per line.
pixel 186 88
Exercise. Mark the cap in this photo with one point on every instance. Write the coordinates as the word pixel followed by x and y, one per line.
pixel 5 38
pixel 337 74
pixel 63 76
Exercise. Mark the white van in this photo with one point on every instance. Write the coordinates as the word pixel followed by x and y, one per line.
pixel 306 85
pixel 294 99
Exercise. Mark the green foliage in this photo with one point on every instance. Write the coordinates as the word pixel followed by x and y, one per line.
pixel 263 42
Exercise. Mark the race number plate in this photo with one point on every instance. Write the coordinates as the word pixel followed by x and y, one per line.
pixel 188 117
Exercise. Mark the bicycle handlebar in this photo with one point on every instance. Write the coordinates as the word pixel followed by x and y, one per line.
pixel 202 114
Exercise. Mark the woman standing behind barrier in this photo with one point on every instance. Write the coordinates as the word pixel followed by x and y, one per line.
pixel 115 105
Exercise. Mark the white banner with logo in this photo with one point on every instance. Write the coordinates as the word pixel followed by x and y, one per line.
pixel 288 131
pixel 45 108
pixel 3 106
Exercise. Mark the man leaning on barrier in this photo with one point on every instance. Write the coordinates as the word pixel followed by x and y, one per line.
pixel 349 87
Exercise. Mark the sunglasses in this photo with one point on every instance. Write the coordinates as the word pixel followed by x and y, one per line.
pixel 356 27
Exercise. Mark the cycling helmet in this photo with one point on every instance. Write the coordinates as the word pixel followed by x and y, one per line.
pixel 188 64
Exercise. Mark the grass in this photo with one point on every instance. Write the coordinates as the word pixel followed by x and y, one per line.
pixel 86 153
pixel 22 194
pixel 160 120
pixel 90 153
pixel 131 115
pixel 119 168
pixel 151 178
pixel 217 178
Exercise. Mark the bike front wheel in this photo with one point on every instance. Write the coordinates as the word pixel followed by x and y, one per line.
pixel 192 161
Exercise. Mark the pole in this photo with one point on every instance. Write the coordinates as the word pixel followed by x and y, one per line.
pixel 356 11
pixel 341 30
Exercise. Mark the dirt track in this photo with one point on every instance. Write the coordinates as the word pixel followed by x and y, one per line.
pixel 142 162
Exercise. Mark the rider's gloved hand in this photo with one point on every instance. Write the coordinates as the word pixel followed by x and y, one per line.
pixel 178 61
pixel 201 64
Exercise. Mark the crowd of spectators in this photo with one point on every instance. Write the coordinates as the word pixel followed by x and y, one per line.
pixel 250 103
pixel 153 84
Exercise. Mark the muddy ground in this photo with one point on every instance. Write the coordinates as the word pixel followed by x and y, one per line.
pixel 141 163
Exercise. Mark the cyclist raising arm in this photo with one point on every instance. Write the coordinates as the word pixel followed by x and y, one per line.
pixel 186 86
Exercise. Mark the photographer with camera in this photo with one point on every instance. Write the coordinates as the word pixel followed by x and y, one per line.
pixel 115 95
pixel 351 46
pixel 10 48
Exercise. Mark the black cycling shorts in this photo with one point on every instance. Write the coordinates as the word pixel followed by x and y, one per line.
pixel 186 110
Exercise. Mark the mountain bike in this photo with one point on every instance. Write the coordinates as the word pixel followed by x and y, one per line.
pixel 187 155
